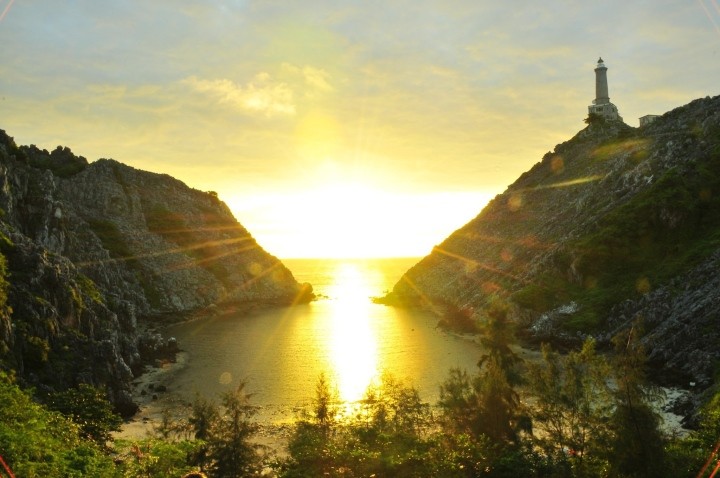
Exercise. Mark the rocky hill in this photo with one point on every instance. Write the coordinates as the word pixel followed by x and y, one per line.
pixel 615 224
pixel 93 252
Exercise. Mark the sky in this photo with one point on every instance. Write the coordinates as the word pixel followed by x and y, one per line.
pixel 342 128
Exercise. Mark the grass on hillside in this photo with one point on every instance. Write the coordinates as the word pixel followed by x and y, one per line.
pixel 659 234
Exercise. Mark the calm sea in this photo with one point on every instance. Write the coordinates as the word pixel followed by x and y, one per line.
pixel 280 353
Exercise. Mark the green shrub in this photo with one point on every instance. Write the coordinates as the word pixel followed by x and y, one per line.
pixel 36 350
pixel 36 442
pixel 88 287
pixel 61 161
pixel 90 409
pixel 658 234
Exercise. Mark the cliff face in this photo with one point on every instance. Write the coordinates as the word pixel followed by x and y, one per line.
pixel 92 249
pixel 617 223
pixel 182 247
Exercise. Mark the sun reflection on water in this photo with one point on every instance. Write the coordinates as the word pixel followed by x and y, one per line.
pixel 353 340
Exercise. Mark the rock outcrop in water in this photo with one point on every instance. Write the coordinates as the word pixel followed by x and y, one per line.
pixel 94 251
pixel 615 224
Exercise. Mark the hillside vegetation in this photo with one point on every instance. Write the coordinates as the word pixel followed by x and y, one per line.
pixel 615 224
pixel 94 255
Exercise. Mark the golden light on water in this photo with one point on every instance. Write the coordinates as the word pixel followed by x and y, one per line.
pixel 353 340
pixel 343 335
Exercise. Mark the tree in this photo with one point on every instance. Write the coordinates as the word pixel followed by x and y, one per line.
pixel 154 458
pixel 233 455
pixel 499 403
pixel 169 425
pixel 486 404
pixel 387 437
pixel 458 403
pixel 498 336
pixel 312 444
pixel 479 433
pixel 572 404
pixel 35 441
pixel 203 420
pixel 708 433
pixel 637 444
pixel 458 319
pixel 393 407
pixel 698 454
pixel 594 119
pixel 324 404
pixel 89 408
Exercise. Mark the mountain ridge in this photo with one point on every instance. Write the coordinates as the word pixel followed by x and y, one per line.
pixel 96 254
pixel 593 237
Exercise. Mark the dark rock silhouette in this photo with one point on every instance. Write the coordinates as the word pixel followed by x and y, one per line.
pixel 97 253
pixel 615 224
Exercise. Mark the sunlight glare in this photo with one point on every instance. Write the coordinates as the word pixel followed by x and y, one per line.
pixel 348 218
pixel 353 345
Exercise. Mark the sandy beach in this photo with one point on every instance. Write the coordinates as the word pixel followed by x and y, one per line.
pixel 154 392
pixel 151 391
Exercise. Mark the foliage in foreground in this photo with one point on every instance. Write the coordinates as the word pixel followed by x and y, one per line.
pixel 36 442
pixel 582 415
pixel 89 408
pixel 591 417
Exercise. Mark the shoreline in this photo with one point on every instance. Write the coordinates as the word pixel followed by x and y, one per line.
pixel 155 392
pixel 150 390
pixel 159 396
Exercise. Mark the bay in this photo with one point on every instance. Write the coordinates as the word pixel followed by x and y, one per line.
pixel 280 353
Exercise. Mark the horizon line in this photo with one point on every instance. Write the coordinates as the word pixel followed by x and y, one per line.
pixel 349 258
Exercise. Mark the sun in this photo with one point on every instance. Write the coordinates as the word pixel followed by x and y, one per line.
pixel 342 210
pixel 354 218
pixel 346 219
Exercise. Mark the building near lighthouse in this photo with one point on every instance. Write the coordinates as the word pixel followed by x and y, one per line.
pixel 647 119
pixel 601 105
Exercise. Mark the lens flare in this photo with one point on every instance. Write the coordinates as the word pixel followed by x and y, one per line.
pixel 7 9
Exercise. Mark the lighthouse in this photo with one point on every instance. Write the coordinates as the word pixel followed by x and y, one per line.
pixel 601 105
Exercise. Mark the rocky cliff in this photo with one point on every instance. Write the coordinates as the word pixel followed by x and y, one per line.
pixel 615 224
pixel 91 252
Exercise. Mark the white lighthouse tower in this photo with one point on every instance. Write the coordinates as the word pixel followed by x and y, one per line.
pixel 601 105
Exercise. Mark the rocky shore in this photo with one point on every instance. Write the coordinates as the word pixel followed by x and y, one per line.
pixel 614 226
pixel 92 255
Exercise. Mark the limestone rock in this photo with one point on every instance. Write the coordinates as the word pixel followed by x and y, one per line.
pixel 614 224
pixel 97 252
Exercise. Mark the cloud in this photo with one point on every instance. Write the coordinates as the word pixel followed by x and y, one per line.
pixel 314 81
pixel 261 95
pixel 316 78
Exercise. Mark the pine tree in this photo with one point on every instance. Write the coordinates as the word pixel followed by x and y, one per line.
pixel 458 402
pixel 637 446
pixel 487 405
pixel 203 421
pixel 499 403
pixel 231 449
pixel 324 405
pixel 571 407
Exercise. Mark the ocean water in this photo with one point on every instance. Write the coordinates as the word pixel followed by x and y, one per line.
pixel 281 353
